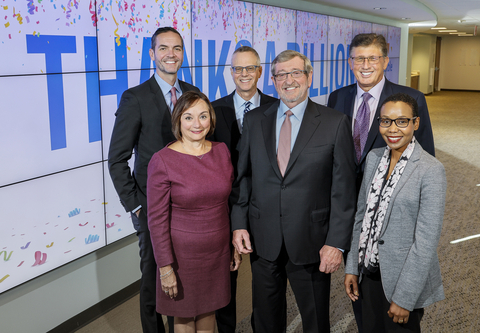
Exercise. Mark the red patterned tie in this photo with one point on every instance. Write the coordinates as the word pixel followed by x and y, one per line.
pixel 284 143
pixel 173 92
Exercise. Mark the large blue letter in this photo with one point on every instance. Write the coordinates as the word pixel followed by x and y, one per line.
pixel 269 89
pixel 216 79
pixel 198 64
pixel 120 84
pixel 323 89
pixel 339 59
pixel 146 61
pixel 53 47
pixel 313 91
pixel 93 97
pixel 184 73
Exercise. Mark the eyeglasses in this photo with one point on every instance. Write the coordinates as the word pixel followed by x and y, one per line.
pixel 249 69
pixel 400 122
pixel 371 59
pixel 295 74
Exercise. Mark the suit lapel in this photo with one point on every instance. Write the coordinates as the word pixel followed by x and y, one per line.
pixel 412 164
pixel 350 100
pixel 268 129
pixel 309 124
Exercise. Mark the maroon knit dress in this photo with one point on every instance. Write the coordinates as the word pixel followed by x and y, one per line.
pixel 189 227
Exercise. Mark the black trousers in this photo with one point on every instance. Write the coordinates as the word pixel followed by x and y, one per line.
pixel 310 287
pixel 227 317
pixel 375 306
pixel 148 267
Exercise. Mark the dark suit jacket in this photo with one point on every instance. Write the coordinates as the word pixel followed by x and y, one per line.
pixel 343 100
pixel 314 203
pixel 143 124
pixel 226 129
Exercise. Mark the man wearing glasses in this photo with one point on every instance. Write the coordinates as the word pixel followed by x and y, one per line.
pixel 296 201
pixel 229 110
pixel 361 102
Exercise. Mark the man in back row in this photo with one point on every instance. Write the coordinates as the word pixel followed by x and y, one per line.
pixel 368 61
pixel 246 71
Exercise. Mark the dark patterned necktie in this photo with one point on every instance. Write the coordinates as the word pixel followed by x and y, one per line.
pixel 248 104
pixel 362 125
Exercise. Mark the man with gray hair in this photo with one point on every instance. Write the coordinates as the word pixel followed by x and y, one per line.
pixel 296 201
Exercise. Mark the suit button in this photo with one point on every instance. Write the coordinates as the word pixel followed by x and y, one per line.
pixel 283 187
pixel 381 242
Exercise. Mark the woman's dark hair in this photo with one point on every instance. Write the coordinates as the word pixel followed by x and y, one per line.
pixel 185 102
pixel 407 99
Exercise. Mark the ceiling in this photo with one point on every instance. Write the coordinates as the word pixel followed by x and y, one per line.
pixel 422 15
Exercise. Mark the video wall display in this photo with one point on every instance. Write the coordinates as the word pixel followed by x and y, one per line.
pixel 64 67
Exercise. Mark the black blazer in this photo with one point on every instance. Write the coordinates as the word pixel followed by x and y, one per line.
pixel 226 128
pixel 343 100
pixel 314 203
pixel 143 124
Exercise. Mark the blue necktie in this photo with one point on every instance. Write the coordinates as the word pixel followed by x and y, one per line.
pixel 248 104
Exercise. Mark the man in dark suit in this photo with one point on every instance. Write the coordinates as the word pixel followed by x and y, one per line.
pixel 368 61
pixel 246 70
pixel 296 204
pixel 143 124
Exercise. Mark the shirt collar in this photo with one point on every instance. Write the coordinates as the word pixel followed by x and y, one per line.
pixel 376 91
pixel 166 87
pixel 255 100
pixel 298 110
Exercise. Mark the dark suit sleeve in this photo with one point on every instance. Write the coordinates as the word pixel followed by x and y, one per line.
pixel 424 134
pixel 243 183
pixel 332 99
pixel 124 137
pixel 343 192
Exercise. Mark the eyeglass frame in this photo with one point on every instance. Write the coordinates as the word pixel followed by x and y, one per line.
pixel 371 59
pixel 291 74
pixel 234 68
pixel 395 121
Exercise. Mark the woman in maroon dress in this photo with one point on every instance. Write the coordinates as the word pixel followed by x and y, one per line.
pixel 189 182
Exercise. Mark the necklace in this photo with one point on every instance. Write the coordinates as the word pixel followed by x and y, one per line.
pixel 197 156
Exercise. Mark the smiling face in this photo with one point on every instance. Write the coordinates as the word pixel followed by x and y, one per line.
pixel 195 122
pixel 292 91
pixel 246 83
pixel 167 55
pixel 398 138
pixel 368 75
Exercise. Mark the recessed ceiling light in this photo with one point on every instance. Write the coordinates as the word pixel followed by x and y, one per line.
pixel 438 28
pixel 448 31
pixel 465 35
pixel 379 8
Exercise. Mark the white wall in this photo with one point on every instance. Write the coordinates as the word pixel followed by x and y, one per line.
pixel 423 60
pixel 47 301
pixel 460 63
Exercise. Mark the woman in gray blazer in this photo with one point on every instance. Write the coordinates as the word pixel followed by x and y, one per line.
pixel 393 264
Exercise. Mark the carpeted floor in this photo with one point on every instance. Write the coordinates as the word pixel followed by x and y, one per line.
pixel 455 117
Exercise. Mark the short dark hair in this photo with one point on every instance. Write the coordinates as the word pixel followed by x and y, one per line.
pixel 368 40
pixel 246 48
pixel 407 99
pixel 185 102
pixel 163 30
